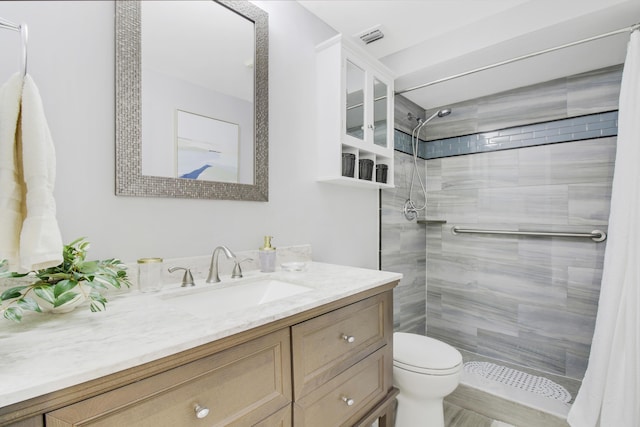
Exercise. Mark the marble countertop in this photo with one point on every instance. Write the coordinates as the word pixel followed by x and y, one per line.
pixel 49 352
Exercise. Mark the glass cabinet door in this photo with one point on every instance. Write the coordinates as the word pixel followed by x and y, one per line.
pixel 380 113
pixel 354 123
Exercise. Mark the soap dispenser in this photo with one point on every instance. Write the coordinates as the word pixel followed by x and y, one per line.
pixel 267 255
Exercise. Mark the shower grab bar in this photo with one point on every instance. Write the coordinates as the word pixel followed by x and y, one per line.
pixel 595 235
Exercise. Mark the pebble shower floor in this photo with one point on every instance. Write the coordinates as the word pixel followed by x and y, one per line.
pixel 518 379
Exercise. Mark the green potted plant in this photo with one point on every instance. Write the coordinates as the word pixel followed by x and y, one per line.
pixel 61 288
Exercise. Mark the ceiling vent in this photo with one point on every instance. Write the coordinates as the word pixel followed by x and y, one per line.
pixel 371 35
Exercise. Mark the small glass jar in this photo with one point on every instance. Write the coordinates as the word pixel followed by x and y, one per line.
pixel 149 274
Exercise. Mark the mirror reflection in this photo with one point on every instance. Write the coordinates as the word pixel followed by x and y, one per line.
pixel 379 113
pixel 197 113
pixel 355 101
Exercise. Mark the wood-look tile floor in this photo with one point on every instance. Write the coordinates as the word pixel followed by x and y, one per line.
pixel 455 416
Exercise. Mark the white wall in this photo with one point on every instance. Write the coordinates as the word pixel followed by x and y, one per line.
pixel 71 58
pixel 167 94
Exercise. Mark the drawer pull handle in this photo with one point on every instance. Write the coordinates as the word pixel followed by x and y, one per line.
pixel 201 411
pixel 348 338
pixel 348 400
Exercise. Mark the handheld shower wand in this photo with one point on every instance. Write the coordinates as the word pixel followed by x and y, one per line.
pixel 409 208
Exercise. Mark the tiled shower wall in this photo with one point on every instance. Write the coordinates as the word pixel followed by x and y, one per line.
pixel 403 246
pixel 525 300
pixel 530 301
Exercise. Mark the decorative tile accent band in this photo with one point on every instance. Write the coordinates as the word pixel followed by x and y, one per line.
pixel 564 130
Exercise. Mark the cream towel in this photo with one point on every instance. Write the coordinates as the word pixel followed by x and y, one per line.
pixel 11 184
pixel 40 240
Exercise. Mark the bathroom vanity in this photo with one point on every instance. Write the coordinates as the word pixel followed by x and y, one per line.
pixel 322 357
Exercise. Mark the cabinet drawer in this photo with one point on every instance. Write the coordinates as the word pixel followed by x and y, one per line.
pixel 282 418
pixel 36 421
pixel 239 386
pixel 327 345
pixel 365 383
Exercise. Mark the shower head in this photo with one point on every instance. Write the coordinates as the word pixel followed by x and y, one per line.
pixel 440 113
pixel 421 123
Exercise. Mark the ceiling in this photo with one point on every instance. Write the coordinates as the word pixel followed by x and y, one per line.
pixel 427 40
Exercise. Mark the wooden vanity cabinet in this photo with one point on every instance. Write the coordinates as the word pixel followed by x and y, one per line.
pixel 37 421
pixel 282 418
pixel 343 363
pixel 328 366
pixel 240 386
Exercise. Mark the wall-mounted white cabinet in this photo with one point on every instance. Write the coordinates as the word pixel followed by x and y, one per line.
pixel 355 116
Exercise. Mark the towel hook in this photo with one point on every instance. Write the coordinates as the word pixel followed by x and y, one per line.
pixel 24 37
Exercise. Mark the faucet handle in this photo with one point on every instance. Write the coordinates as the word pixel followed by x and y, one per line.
pixel 187 279
pixel 237 270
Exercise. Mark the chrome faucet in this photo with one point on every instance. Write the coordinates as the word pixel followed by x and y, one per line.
pixel 213 268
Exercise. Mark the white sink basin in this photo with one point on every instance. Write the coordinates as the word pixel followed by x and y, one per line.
pixel 211 299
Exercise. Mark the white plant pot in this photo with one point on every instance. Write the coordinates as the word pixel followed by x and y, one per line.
pixel 71 305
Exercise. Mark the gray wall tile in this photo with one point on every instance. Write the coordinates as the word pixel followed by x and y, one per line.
pixel 402 108
pixel 594 91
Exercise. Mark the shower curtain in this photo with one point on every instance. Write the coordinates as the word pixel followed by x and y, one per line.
pixel 610 392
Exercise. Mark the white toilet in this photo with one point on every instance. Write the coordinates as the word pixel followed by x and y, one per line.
pixel 425 370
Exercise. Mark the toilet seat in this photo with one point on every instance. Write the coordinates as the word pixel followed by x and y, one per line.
pixel 425 355
pixel 427 371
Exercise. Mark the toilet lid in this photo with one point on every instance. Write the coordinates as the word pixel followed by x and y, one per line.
pixel 423 353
